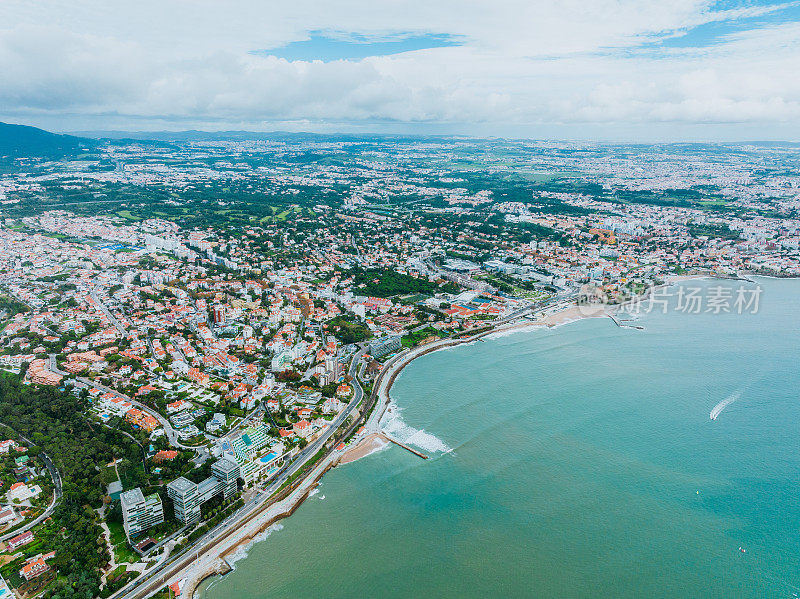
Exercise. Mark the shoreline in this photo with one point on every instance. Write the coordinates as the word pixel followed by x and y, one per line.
pixel 215 562
pixel 373 439
pixel 562 315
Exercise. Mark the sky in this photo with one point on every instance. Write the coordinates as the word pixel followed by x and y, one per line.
pixel 632 70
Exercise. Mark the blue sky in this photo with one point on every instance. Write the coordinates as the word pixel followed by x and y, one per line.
pixel 328 46
pixel 710 34
pixel 638 69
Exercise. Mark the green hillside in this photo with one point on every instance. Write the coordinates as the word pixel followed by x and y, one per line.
pixel 20 140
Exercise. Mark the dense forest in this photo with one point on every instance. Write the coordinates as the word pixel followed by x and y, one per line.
pixel 54 421
pixel 388 283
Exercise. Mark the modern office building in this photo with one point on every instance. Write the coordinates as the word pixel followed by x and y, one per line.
pixel 226 472
pixel 139 512
pixel 187 497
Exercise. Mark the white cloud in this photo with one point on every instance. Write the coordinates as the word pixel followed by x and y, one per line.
pixel 524 62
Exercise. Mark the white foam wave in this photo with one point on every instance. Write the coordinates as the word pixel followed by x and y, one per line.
pixel 717 409
pixel 448 348
pixel 394 426
pixel 508 332
pixel 243 551
pixel 315 493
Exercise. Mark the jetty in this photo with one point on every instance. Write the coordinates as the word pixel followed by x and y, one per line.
pixel 622 325
pixel 404 446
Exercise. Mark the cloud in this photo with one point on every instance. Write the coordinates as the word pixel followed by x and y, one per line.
pixel 520 63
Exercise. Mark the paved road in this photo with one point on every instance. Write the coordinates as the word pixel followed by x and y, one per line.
pixel 171 433
pixel 56 477
pixel 111 318
pixel 169 569
pixel 312 448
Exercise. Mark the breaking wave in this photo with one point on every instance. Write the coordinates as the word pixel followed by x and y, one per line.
pixel 527 328
pixel 243 551
pixel 394 426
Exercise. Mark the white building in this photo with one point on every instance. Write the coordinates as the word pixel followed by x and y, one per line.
pixel 139 512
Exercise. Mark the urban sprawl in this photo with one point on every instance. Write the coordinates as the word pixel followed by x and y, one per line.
pixel 188 326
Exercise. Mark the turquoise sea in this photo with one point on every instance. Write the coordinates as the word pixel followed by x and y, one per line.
pixel 582 462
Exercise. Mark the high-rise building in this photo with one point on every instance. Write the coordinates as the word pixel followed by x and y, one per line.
pixel 187 497
pixel 226 472
pixel 219 314
pixel 139 512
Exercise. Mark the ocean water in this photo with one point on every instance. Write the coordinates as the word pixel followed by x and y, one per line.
pixel 580 461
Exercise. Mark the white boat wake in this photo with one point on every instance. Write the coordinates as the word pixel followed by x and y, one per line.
pixel 717 409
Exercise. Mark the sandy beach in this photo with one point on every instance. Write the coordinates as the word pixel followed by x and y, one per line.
pixel 372 439
pixel 363 447
pixel 213 560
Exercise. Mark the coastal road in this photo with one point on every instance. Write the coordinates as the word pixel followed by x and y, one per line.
pixel 154 579
pixel 312 448
pixel 198 557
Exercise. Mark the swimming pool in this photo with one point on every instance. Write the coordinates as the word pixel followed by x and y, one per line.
pixel 268 458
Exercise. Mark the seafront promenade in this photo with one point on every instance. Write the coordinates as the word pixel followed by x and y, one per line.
pixel 207 556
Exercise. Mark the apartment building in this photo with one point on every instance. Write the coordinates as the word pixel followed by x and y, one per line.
pixel 139 512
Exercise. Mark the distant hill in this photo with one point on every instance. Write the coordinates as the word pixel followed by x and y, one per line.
pixel 194 135
pixel 20 140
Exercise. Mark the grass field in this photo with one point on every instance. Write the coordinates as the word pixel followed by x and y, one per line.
pixel 122 551
pixel 108 474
